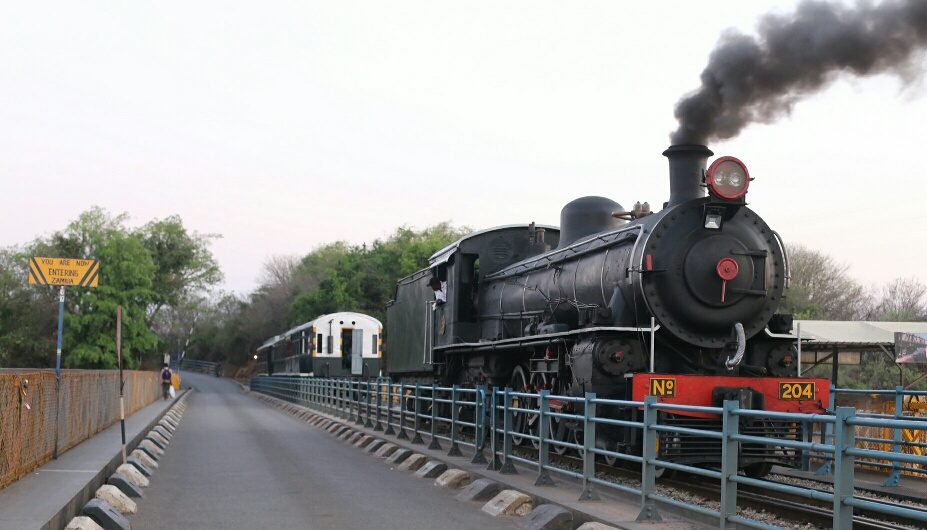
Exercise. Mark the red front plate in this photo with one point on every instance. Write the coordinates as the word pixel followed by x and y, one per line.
pixel 781 394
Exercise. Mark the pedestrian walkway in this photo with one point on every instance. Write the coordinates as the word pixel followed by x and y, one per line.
pixel 50 496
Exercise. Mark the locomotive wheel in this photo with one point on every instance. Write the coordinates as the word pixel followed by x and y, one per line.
pixel 666 441
pixel 555 427
pixel 758 470
pixel 558 428
pixel 519 383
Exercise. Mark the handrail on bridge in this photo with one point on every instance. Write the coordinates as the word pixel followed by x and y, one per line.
pixel 502 418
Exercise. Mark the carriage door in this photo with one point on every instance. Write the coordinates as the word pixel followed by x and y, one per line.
pixel 357 349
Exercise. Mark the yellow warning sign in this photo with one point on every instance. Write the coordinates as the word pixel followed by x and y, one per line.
pixel 64 271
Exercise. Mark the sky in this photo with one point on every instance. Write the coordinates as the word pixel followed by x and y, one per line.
pixel 283 126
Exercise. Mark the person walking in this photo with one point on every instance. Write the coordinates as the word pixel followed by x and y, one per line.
pixel 166 378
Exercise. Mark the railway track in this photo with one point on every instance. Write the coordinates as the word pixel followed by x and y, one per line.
pixel 783 506
pixel 799 509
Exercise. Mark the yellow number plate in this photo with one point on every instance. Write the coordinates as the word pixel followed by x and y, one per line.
pixel 796 390
pixel 665 387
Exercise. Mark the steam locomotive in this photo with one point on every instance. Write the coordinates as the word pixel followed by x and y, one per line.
pixel 680 304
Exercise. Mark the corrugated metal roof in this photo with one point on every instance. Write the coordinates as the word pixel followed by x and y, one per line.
pixel 853 333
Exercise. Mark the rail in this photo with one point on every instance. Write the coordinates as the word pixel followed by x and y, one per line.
pixel 35 418
pixel 502 418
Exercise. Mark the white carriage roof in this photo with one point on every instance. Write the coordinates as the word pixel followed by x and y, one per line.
pixel 270 342
pixel 345 314
pixel 855 336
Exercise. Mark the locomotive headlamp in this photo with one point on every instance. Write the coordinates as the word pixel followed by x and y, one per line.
pixel 727 178
pixel 714 216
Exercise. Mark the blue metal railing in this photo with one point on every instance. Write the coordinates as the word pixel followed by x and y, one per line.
pixel 501 418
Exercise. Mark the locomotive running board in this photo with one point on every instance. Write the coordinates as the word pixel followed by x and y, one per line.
pixel 539 339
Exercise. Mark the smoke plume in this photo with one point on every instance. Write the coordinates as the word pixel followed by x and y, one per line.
pixel 758 79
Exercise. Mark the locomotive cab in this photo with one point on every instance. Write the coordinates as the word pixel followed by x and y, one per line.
pixel 420 329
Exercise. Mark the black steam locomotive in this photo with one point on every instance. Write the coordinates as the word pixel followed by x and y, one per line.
pixel 679 303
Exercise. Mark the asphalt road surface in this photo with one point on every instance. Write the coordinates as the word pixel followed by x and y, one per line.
pixel 235 462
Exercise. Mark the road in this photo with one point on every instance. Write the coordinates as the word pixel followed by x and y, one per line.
pixel 235 462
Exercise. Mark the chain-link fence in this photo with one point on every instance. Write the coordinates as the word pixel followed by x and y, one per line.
pixel 89 403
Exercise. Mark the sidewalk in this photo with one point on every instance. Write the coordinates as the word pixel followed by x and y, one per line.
pixel 50 496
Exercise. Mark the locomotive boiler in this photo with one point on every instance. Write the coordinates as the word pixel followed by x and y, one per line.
pixel 679 303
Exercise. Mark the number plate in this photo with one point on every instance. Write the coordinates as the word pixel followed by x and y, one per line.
pixel 664 387
pixel 796 390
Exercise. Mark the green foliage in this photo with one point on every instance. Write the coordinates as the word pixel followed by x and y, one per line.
pixel 126 273
pixel 183 262
pixel 363 279
pixel 27 315
pixel 141 270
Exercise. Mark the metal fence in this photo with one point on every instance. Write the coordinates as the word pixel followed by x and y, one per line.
pixel 497 420
pixel 203 367
pixel 89 402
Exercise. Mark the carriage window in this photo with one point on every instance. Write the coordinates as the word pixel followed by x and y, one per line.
pixel 320 344
pixel 373 347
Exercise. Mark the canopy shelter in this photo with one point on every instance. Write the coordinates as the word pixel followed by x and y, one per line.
pixel 843 342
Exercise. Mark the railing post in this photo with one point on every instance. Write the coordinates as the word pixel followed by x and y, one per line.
pixel 543 434
pixel 343 398
pixel 403 403
pixel 378 426
pixel 730 454
pixel 356 397
pixel 328 396
pixel 479 425
pixel 508 422
pixel 827 468
pixel 369 423
pixel 389 409
pixel 807 432
pixel 844 439
pixel 648 470
pixel 350 388
pixel 894 480
pixel 589 407
pixel 455 416
pixel 417 423
pixel 494 463
pixel 333 397
pixel 434 418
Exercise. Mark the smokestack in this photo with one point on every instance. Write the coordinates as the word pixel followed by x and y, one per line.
pixel 759 79
pixel 687 164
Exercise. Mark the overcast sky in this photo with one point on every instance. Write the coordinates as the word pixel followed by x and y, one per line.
pixel 286 125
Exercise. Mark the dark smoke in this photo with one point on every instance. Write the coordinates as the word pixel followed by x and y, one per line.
pixel 758 79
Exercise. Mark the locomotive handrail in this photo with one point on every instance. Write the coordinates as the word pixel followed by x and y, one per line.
pixel 785 259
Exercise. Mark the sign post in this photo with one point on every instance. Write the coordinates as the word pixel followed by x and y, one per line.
pixel 122 404
pixel 62 272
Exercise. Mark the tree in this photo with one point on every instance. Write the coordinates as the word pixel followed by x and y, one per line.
pixel 27 315
pixel 126 276
pixel 364 279
pixel 821 289
pixel 183 262
pixel 903 300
